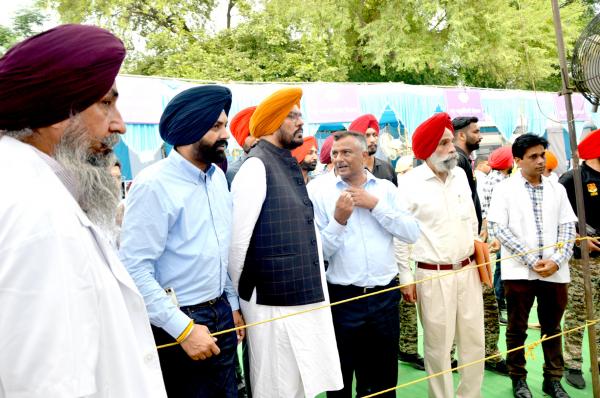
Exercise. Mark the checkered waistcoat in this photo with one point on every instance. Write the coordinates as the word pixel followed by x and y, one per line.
pixel 282 261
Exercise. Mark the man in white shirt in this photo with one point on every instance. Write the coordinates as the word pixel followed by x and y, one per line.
pixel 72 323
pixel 450 307
pixel 529 211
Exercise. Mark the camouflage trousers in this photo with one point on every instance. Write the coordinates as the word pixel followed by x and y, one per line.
pixel 409 338
pixel 575 314
pixel 491 323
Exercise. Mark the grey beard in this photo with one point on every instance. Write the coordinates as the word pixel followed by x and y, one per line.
pixel 98 195
pixel 446 164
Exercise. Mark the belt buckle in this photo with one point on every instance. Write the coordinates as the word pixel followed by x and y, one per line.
pixel 212 302
pixel 457 266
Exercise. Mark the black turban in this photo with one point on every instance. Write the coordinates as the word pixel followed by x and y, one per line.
pixel 191 113
pixel 48 77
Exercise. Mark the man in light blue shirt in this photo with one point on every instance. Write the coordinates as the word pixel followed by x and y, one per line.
pixel 175 243
pixel 359 216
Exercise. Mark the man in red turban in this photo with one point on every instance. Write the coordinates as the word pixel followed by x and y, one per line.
pixel 368 126
pixel 240 129
pixel 306 155
pixel 589 150
pixel 275 260
pixel 451 308
pixel 65 294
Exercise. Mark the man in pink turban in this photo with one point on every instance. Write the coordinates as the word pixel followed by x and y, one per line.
pixel 451 308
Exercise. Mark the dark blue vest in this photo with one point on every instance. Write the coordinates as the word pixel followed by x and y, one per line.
pixel 282 261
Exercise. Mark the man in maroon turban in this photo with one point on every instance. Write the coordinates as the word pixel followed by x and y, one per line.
pixel 450 308
pixel 368 126
pixel 65 294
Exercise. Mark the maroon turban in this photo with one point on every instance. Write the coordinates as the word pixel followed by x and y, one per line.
pixel 325 155
pixel 48 77
pixel 364 122
pixel 501 158
pixel 589 148
pixel 429 133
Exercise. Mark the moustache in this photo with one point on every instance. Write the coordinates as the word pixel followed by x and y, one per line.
pixel 219 143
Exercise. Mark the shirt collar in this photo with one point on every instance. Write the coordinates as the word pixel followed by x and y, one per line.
pixel 428 174
pixel 343 184
pixel 527 184
pixel 189 170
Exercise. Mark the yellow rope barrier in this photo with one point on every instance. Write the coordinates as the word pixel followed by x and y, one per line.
pixel 529 347
pixel 434 277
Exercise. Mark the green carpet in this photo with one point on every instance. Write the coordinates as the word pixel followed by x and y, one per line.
pixel 494 385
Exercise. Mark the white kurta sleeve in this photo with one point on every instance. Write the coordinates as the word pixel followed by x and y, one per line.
pixel 248 190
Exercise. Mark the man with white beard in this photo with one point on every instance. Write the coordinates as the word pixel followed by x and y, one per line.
pixel 450 307
pixel 72 323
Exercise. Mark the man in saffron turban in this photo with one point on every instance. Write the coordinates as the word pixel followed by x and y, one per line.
pixel 240 128
pixel 306 155
pixel 275 261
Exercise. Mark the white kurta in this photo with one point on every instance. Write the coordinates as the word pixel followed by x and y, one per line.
pixel 292 357
pixel 72 323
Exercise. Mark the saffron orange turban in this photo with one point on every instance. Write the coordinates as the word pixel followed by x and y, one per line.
pixel 301 152
pixel 589 148
pixel 501 158
pixel 429 133
pixel 325 155
pixel 551 161
pixel 362 123
pixel 240 125
pixel 62 71
pixel 270 114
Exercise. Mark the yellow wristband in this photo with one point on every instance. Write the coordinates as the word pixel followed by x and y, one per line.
pixel 186 332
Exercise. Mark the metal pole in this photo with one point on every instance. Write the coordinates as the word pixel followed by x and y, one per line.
pixel 566 92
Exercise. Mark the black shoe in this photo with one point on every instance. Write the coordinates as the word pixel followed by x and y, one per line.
pixel 521 389
pixel 498 367
pixel 415 360
pixel 453 365
pixel 574 378
pixel 554 389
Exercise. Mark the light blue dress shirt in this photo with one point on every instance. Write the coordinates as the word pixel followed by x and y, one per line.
pixel 176 234
pixel 361 253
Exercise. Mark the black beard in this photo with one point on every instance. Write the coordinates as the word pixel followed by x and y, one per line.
pixel 472 147
pixel 308 166
pixel 210 154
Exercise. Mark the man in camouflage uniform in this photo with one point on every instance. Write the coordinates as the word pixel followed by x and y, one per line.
pixel 575 314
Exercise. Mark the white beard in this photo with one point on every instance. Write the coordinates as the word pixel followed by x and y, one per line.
pixel 444 164
pixel 98 195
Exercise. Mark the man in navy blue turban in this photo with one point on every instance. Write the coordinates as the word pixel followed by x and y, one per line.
pixel 175 243
pixel 65 295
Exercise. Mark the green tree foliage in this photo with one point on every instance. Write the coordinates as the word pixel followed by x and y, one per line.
pixel 492 43
pixel 26 22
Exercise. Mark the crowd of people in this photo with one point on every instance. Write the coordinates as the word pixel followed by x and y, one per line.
pixel 150 297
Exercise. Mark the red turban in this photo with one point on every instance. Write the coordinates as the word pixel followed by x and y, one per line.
pixel 270 114
pixel 551 161
pixel 429 133
pixel 240 125
pixel 364 122
pixel 589 148
pixel 48 77
pixel 325 155
pixel 501 158
pixel 301 152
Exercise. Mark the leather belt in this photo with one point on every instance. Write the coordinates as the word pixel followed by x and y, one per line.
pixel 208 303
pixel 446 267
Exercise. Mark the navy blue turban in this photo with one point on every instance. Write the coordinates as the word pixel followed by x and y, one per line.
pixel 62 71
pixel 191 113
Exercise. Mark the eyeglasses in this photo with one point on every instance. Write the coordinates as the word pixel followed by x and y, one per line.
pixel 294 116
